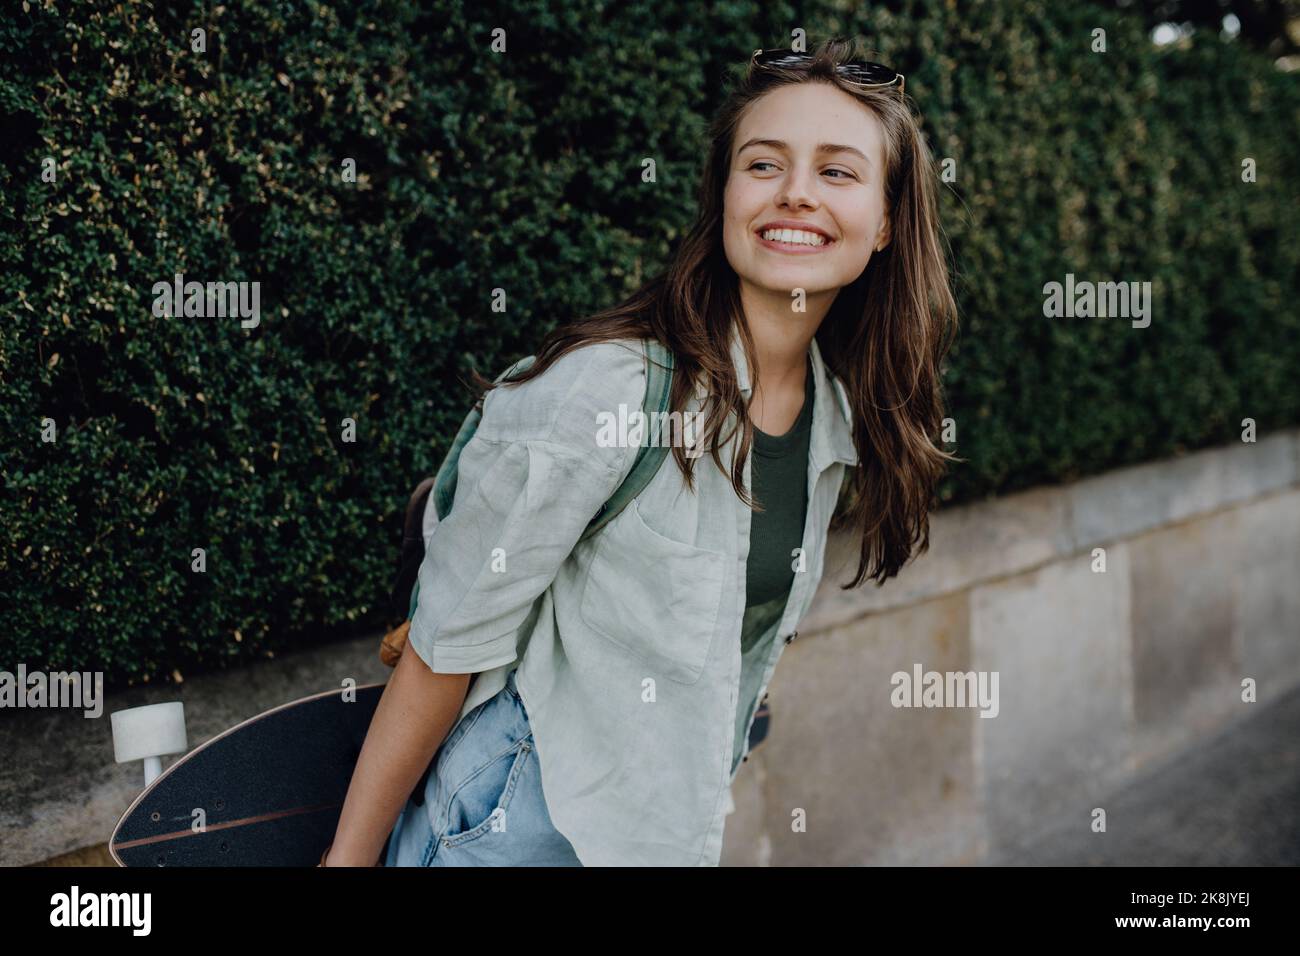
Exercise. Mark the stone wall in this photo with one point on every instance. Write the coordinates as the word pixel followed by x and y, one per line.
pixel 1099 672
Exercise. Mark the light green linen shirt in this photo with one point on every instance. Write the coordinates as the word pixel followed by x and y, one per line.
pixel 628 644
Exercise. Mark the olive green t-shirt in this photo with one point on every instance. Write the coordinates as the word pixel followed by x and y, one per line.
pixel 779 479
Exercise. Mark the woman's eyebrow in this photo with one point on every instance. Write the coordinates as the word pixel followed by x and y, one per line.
pixel 821 147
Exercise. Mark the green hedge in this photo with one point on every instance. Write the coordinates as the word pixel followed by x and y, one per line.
pixel 522 172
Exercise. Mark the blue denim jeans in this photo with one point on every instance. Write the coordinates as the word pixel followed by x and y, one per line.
pixel 483 803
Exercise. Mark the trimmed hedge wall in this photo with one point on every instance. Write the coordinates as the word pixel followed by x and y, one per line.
pixel 521 171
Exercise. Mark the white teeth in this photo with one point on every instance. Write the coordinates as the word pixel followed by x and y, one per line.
pixel 794 235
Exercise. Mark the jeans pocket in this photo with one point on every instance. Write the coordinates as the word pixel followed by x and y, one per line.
pixel 480 804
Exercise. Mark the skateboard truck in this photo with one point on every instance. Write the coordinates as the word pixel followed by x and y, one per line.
pixel 148 733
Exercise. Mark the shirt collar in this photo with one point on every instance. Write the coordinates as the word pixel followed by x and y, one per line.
pixel 832 436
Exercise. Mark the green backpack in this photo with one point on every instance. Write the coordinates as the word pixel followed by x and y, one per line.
pixel 432 499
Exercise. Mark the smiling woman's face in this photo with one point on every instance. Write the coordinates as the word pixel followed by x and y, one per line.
pixel 836 192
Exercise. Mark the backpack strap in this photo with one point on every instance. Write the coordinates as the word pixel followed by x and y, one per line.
pixel 444 483
pixel 659 383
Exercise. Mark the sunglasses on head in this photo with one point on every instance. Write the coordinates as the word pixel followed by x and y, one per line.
pixel 859 71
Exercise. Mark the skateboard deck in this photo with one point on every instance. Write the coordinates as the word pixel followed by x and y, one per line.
pixel 268 791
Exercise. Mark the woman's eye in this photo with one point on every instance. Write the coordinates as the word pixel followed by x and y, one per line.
pixel 843 173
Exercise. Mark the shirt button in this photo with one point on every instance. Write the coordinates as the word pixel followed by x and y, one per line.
pixel 791 637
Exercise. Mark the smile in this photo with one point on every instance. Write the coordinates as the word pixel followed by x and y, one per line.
pixel 795 241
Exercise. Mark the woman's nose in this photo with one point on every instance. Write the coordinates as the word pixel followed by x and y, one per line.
pixel 796 190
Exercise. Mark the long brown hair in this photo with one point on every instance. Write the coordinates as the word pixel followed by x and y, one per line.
pixel 884 336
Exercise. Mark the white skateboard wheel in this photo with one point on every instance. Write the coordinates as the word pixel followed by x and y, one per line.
pixel 150 731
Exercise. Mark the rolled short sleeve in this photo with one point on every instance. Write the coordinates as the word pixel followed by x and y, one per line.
pixel 521 504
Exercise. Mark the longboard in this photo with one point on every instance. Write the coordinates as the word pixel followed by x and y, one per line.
pixel 266 792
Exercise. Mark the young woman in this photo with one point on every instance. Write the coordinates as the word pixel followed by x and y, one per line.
pixel 588 702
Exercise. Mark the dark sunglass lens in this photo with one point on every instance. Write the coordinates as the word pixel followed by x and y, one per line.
pixel 781 58
pixel 869 73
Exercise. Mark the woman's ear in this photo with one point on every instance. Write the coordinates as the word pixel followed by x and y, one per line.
pixel 884 235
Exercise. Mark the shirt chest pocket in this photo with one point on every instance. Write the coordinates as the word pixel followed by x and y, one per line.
pixel 656 598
